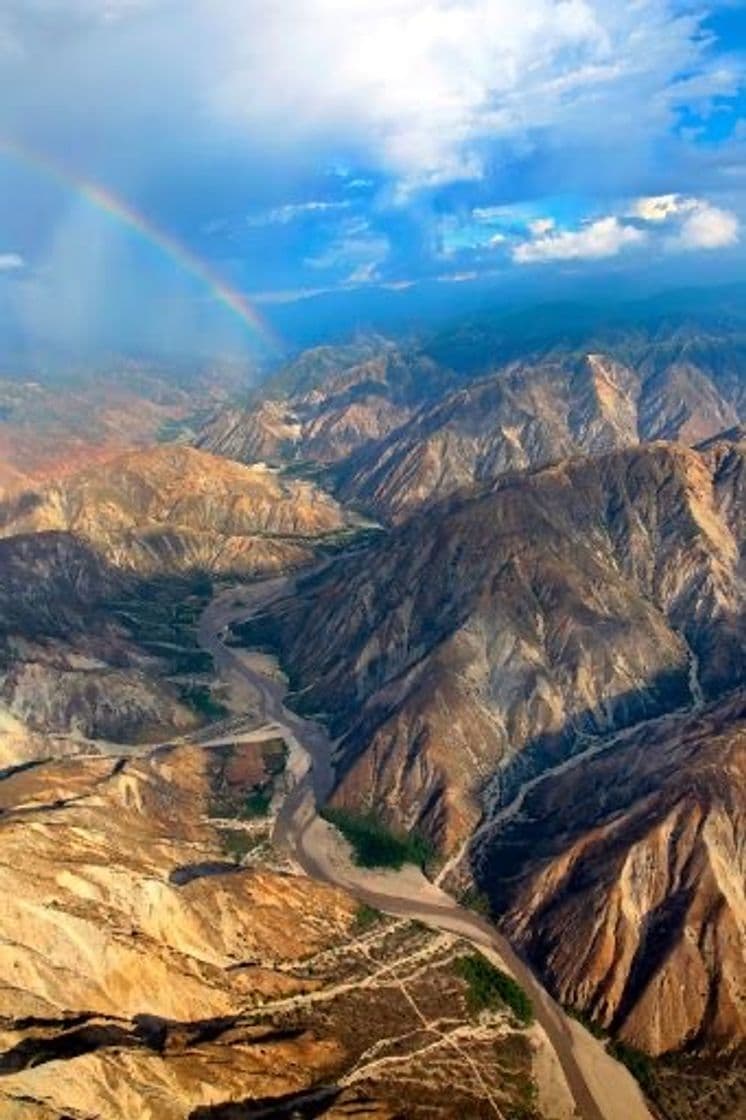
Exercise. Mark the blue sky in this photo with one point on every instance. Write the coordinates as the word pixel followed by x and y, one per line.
pixel 348 145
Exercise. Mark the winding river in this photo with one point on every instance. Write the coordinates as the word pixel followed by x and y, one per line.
pixel 602 1089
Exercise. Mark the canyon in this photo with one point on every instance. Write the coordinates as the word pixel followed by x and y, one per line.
pixel 510 594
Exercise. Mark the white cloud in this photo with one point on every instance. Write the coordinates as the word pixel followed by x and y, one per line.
pixel 424 87
pixel 282 215
pixel 355 246
pixel 658 208
pixel 603 238
pixel 541 226
pixel 701 225
pixel 365 273
pixel 10 262
pixel 489 214
pixel 457 277
pixel 427 91
pixel 288 295
pixel 707 227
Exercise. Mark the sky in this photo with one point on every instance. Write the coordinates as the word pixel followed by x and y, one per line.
pixel 175 173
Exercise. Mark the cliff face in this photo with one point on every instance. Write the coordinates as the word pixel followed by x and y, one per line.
pixel 623 878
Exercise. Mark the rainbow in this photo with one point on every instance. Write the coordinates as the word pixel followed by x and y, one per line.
pixel 120 211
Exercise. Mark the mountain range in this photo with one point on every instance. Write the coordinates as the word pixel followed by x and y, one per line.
pixel 506 563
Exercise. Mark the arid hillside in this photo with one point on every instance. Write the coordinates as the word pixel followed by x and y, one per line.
pixel 532 413
pixel 491 639
pixel 634 904
pixel 160 962
pixel 172 508
pixel 396 426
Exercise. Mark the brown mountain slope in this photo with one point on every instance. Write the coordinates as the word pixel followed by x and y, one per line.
pixel 491 631
pixel 492 638
pixel 326 404
pixel 146 973
pixel 68 665
pixel 173 508
pixel 529 414
pixel 633 904
pixel 408 424
pixel 99 590
pixel 53 423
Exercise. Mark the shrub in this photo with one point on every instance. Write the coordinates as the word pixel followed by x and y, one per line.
pixel 638 1064
pixel 237 843
pixel 373 844
pixel 365 917
pixel 477 901
pixel 490 987
pixel 586 1021
pixel 257 802
pixel 200 698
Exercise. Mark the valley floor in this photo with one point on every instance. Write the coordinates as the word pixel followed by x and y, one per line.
pixel 601 1087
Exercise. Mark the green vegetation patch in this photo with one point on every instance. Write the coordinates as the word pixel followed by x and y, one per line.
pixel 365 917
pixel 476 901
pixel 201 700
pixel 490 987
pixel 373 844
pixel 274 757
pixel 257 802
pixel 245 793
pixel 639 1064
pixel 237 843
pixel 585 1020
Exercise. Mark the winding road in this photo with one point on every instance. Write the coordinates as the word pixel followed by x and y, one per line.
pixel 602 1089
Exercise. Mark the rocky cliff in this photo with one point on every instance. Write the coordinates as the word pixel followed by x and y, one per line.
pixel 532 413
pixel 407 424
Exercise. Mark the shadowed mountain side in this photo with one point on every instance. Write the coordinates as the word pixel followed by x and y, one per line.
pixel 399 425
pixel 102 574
pixel 633 904
pixel 497 637
pixel 528 614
